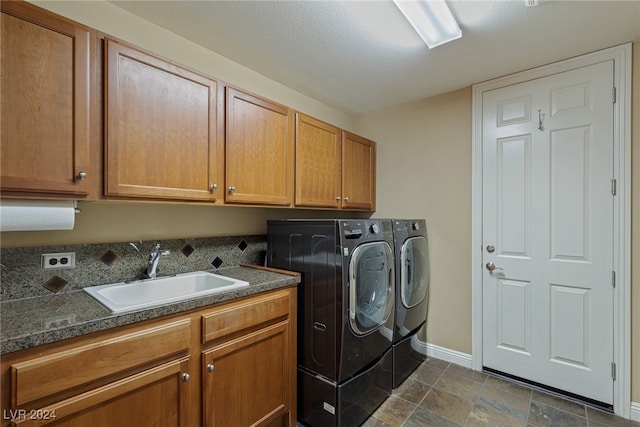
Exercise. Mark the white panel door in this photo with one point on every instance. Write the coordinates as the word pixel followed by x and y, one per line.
pixel 548 230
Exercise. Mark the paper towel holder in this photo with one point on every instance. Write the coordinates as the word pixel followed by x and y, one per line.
pixel 37 215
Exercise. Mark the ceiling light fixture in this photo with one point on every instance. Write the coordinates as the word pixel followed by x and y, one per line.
pixel 432 19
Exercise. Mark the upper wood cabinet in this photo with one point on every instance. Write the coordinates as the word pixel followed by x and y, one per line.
pixel 334 168
pixel 169 132
pixel 45 97
pixel 358 172
pixel 259 150
pixel 318 163
pixel 161 128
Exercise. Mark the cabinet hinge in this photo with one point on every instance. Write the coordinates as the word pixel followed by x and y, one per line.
pixel 614 95
pixel 613 370
pixel 613 279
pixel 614 186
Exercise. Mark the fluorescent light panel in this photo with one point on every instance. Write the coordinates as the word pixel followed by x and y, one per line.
pixel 432 19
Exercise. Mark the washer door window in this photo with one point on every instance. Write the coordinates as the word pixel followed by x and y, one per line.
pixel 414 273
pixel 371 286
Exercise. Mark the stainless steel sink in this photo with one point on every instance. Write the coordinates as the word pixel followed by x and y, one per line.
pixel 127 296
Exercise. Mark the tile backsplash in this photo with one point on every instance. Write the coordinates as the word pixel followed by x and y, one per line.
pixel 21 274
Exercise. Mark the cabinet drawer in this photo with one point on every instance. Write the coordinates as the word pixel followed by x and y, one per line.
pixel 157 394
pixel 245 314
pixel 65 370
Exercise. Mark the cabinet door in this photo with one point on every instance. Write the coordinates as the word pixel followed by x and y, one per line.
pixel 358 172
pixel 45 102
pixel 155 397
pixel 247 380
pixel 318 163
pixel 259 150
pixel 161 128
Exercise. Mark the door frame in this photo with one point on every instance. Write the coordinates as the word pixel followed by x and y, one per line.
pixel 621 55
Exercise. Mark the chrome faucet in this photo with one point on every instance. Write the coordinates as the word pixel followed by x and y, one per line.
pixel 154 259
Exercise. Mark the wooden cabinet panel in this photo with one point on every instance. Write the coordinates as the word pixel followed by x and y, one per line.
pixel 318 163
pixel 334 168
pixel 152 398
pixel 358 172
pixel 236 317
pixel 44 101
pixel 54 373
pixel 161 128
pixel 259 150
pixel 247 379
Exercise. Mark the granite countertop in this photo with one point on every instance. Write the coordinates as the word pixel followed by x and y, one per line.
pixel 41 320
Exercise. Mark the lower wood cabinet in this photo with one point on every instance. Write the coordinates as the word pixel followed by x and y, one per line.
pixel 232 364
pixel 153 397
pixel 248 377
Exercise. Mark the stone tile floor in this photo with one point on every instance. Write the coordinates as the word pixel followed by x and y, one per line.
pixel 442 394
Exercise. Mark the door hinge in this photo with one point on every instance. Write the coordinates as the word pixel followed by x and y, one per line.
pixel 614 186
pixel 614 95
pixel 613 370
pixel 613 279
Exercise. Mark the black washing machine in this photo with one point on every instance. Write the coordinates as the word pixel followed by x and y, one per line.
pixel 411 250
pixel 345 314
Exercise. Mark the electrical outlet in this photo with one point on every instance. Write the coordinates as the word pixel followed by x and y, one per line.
pixel 58 261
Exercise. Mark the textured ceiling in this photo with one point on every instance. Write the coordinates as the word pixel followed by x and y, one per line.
pixel 359 56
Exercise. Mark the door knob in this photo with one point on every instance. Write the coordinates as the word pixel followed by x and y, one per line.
pixel 186 377
pixel 232 189
pixel 210 367
pixel 491 266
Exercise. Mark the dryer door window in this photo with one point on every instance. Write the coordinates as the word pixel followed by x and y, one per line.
pixel 414 273
pixel 371 286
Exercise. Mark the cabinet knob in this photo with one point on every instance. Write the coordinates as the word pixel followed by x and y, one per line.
pixel 210 367
pixel 346 199
pixel 232 189
pixel 82 175
pixel 186 377
pixel 213 187
pixel 338 198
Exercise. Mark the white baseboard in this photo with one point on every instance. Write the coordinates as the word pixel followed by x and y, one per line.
pixel 635 411
pixel 448 355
